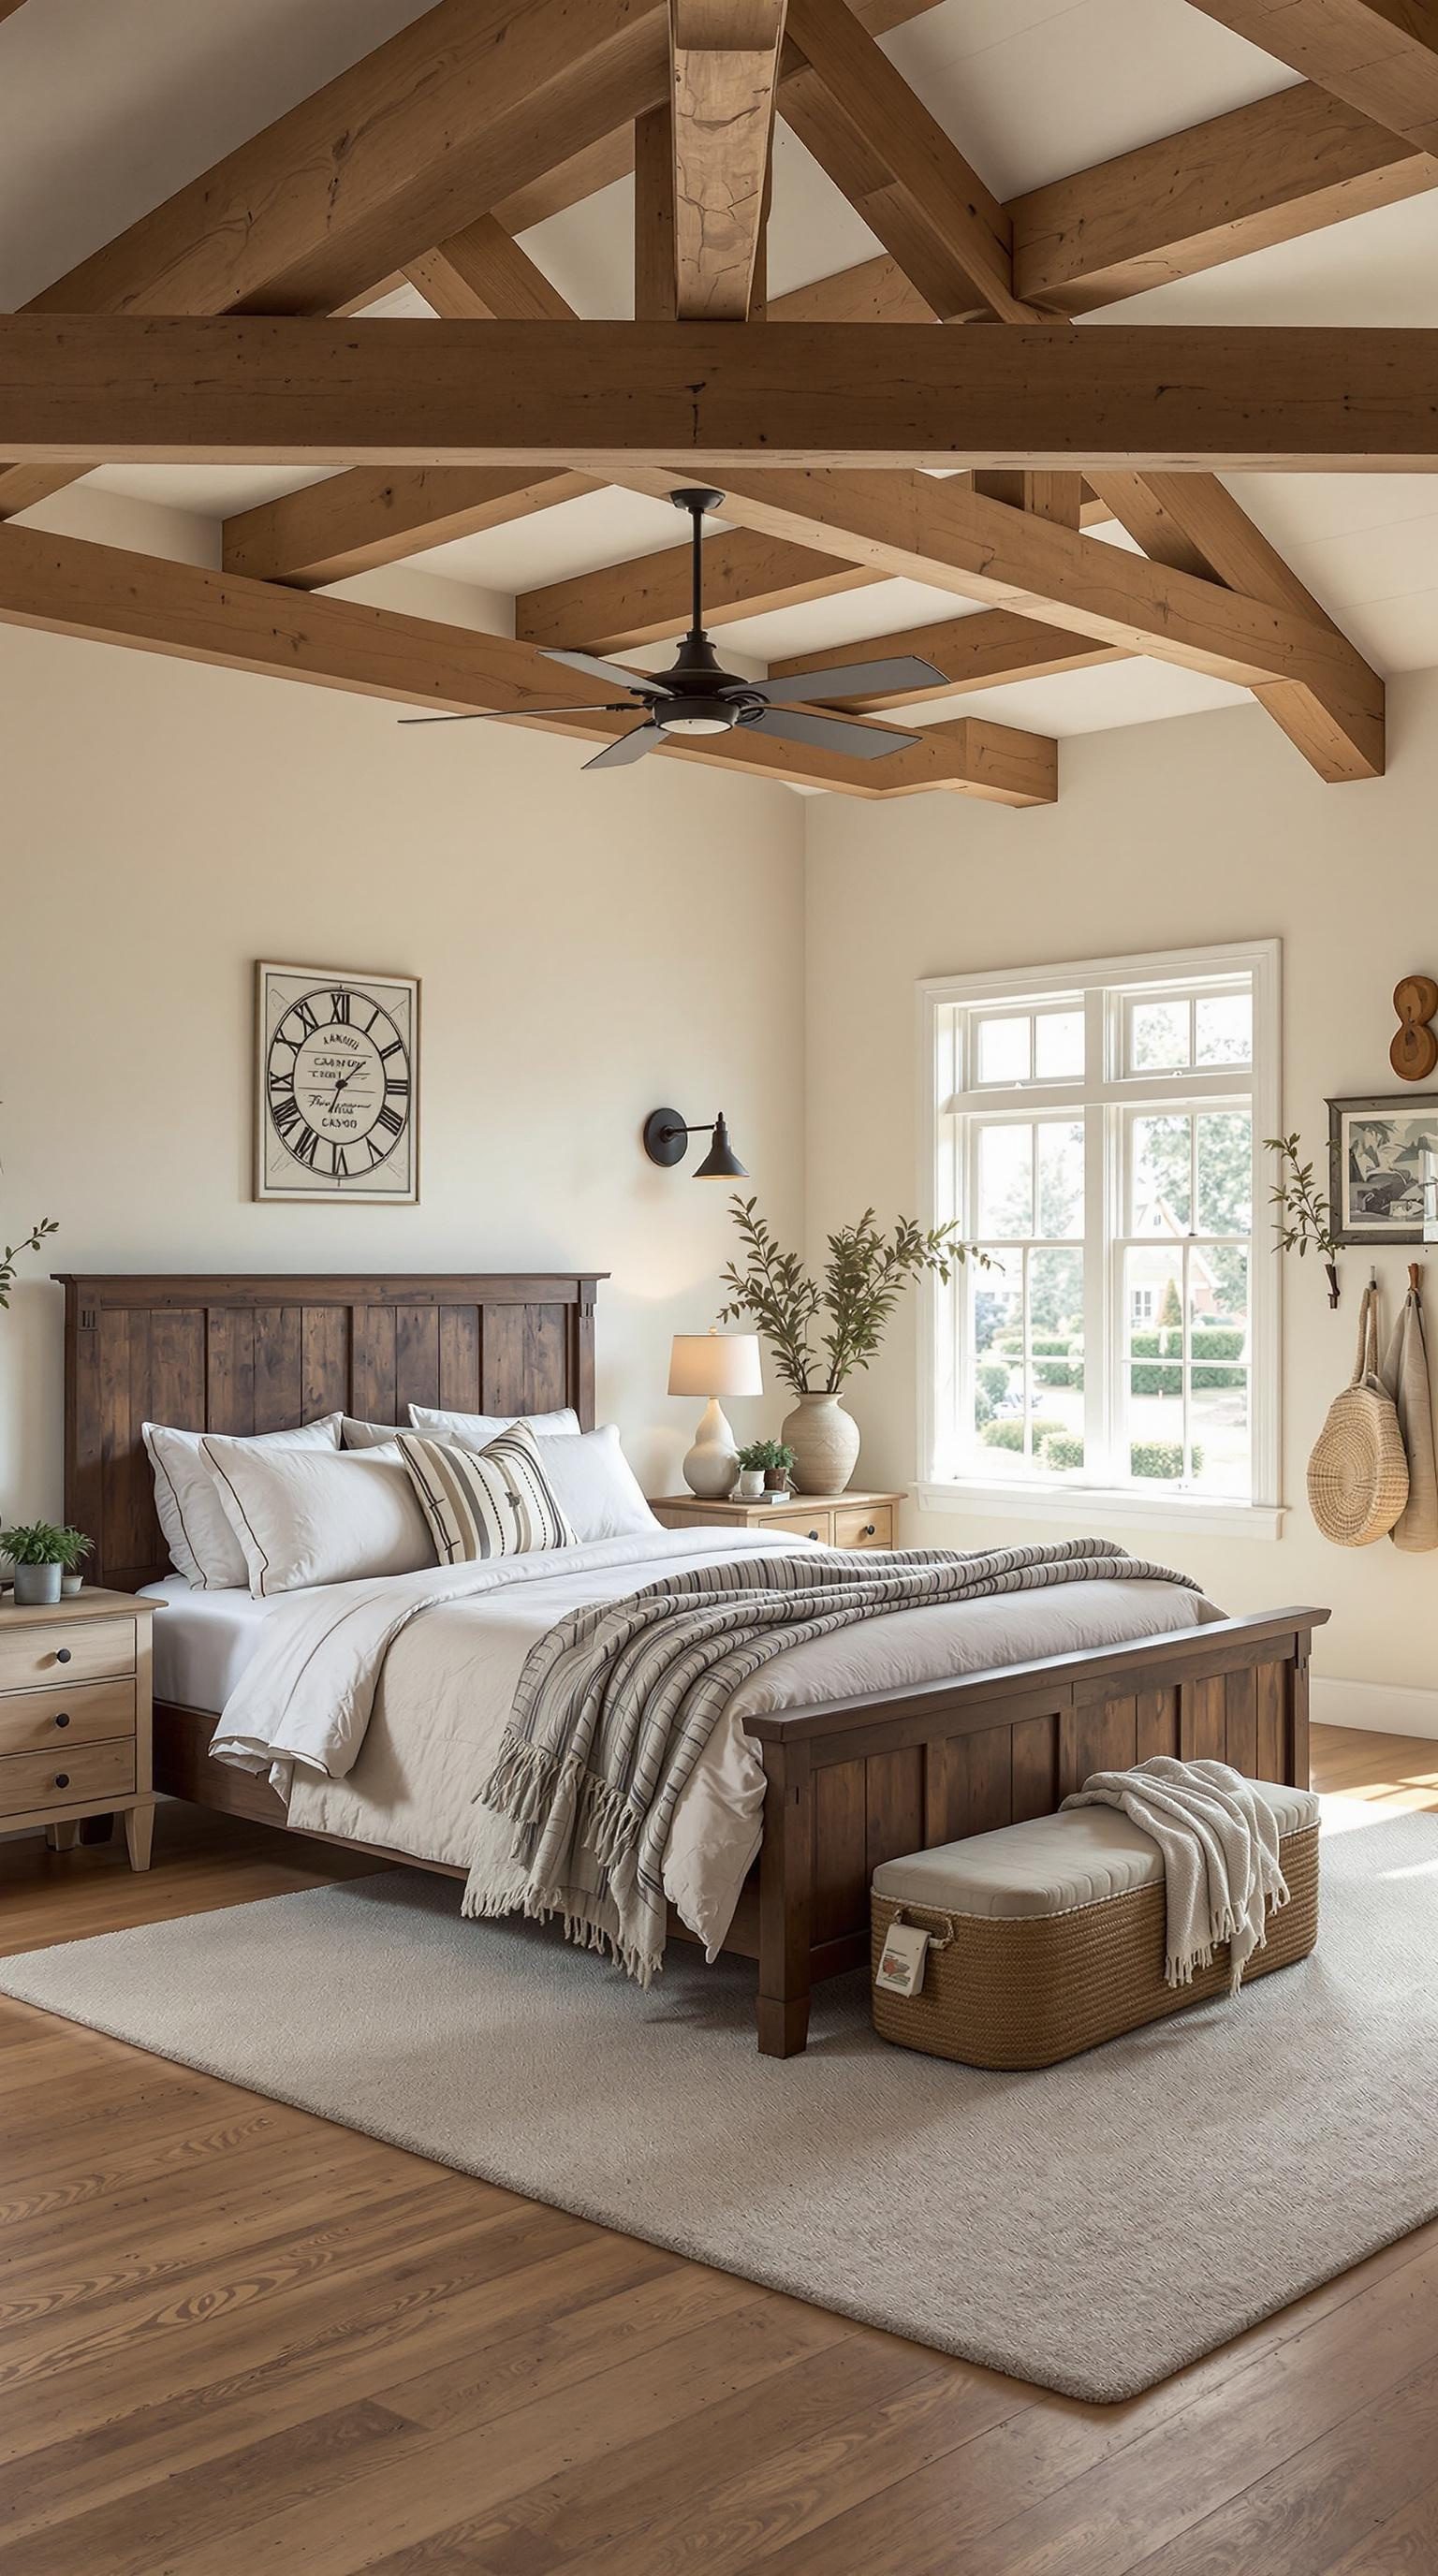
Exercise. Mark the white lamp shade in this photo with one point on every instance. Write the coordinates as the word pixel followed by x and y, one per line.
pixel 715 1364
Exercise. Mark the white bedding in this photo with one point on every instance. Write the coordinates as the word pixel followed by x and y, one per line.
pixel 203 1641
pixel 399 1760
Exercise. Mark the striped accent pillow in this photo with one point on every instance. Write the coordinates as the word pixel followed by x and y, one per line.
pixel 485 1502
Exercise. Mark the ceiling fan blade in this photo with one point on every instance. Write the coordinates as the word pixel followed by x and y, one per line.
pixel 854 680
pixel 594 669
pixel 503 715
pixel 831 733
pixel 630 746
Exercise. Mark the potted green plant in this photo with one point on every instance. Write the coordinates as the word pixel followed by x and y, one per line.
pixel 765 1466
pixel 40 1552
pixel 850 1305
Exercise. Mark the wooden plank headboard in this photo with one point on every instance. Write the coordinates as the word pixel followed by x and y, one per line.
pixel 264 1354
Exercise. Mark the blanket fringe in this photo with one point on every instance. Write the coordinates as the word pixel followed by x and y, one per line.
pixel 526 1780
pixel 557 1904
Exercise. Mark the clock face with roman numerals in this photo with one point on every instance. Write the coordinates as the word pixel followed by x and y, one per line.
pixel 338 1072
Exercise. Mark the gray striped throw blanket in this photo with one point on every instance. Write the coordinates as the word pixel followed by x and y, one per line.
pixel 616 1704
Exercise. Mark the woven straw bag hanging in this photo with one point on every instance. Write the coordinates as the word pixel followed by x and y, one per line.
pixel 1358 1473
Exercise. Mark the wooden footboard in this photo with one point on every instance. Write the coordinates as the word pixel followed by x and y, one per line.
pixel 858 1781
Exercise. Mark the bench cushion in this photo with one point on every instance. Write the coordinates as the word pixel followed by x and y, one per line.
pixel 1051 1864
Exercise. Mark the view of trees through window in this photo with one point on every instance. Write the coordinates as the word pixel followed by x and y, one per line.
pixel 1173 1389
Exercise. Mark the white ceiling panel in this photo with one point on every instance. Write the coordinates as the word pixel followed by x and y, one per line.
pixel 1118 693
pixel 219 490
pixel 553 545
pixel 1032 89
pixel 108 106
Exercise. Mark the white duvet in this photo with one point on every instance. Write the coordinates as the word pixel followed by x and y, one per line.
pixel 376 1708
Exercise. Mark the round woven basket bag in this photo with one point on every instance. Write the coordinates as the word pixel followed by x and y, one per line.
pixel 1358 1473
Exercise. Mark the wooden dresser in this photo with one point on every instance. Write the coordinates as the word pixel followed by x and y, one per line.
pixel 75 1717
pixel 839 1520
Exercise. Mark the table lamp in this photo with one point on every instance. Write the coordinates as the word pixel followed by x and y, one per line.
pixel 714 1364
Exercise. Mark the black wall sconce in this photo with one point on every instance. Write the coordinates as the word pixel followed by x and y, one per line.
pixel 666 1141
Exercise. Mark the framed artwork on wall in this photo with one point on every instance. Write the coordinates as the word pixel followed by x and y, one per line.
pixel 336 1084
pixel 1383 1168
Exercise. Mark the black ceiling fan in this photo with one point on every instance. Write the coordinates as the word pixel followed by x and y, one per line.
pixel 698 696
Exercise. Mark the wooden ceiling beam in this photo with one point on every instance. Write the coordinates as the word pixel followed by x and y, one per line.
pixel 912 529
pixel 1245 181
pixel 375 514
pixel 1147 515
pixel 725 56
pixel 621 606
pixel 458 109
pixel 599 165
pixel 656 268
pixel 66 586
pixel 1379 55
pixel 981 651
pixel 646 600
pixel 600 396
pixel 897 167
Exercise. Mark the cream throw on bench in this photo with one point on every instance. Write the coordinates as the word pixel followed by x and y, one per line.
pixel 1219 1841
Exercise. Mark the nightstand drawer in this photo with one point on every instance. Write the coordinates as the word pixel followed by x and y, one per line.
pixel 32 1721
pixel 813 1524
pixel 75 1650
pixel 864 1525
pixel 62 1778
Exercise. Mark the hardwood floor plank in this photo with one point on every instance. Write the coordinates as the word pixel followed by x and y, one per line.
pixel 244 2340
pixel 439 2477
pixel 1318 2506
pixel 442 2305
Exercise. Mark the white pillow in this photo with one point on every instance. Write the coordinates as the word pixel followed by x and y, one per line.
pixel 476 1430
pixel 305 1516
pixel 368 1435
pixel 202 1545
pixel 595 1486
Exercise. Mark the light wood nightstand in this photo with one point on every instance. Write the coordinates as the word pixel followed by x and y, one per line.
pixel 75 1717
pixel 839 1520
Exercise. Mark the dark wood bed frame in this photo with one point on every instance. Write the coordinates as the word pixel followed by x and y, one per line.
pixel 850 1784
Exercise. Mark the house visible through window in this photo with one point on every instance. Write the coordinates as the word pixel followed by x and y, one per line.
pixel 1098 1130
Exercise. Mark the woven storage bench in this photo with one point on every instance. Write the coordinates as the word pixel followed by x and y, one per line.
pixel 1055 1934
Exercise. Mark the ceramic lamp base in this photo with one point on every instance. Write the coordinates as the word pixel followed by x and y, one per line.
pixel 713 1462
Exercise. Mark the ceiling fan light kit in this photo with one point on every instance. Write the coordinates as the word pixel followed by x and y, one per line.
pixel 697 696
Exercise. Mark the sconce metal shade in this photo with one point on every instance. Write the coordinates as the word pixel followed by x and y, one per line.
pixel 666 1142
pixel 721 1163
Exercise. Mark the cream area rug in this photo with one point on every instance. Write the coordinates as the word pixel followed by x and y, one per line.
pixel 1089 2228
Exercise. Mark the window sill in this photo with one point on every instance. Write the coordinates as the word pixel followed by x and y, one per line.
pixel 1091 1507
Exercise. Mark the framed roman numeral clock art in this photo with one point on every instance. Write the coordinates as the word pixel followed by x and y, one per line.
pixel 337 1084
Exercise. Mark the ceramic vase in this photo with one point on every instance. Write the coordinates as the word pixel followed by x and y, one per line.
pixel 825 1442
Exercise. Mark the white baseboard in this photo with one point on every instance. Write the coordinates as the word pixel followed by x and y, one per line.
pixel 1385 1708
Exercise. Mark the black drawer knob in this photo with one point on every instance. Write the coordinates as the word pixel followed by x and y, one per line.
pixel 868 1529
pixel 64 1718
pixel 813 1533
pixel 62 1779
pixel 62 1654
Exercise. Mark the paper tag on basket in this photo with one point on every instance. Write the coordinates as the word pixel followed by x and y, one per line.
pixel 901 1961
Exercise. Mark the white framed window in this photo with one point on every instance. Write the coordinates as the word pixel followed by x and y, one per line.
pixel 1098 1130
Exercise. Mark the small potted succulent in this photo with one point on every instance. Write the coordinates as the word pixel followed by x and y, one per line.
pixel 42 1555
pixel 765 1466
pixel 76 1547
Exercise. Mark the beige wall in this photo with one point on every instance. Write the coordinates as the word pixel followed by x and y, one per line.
pixel 1165 835
pixel 589 949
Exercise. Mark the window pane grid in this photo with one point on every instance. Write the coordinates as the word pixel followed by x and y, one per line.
pixel 1112 1343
